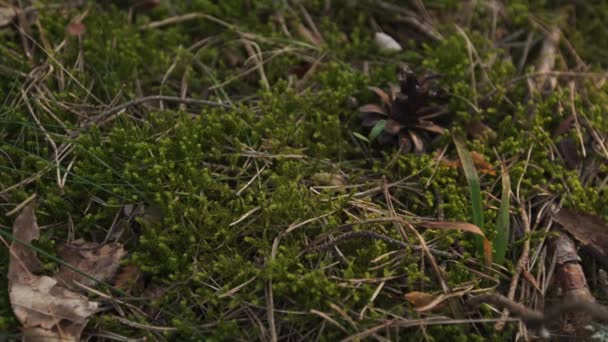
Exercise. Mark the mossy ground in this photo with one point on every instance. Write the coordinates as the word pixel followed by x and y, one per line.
pixel 220 188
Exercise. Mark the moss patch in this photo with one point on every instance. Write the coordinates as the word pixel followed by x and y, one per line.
pixel 215 193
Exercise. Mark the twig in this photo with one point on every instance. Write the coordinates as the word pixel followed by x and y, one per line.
pixel 521 265
pixel 537 320
pixel 320 247
pixel 546 60
pixel 154 98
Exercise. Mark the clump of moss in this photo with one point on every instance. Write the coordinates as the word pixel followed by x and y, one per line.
pixel 219 188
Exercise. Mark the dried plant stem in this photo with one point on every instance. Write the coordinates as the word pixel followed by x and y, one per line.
pixel 546 61
pixel 521 265
pixel 111 111
pixel 316 248
pixel 535 319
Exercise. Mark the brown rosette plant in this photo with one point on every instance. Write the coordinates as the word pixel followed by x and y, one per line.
pixel 409 113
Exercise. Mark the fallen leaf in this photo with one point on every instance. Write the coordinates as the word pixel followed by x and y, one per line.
pixel 99 261
pixel 7 15
pixel 481 164
pixel 568 148
pixel 386 42
pixel 372 108
pixel 479 160
pixel 76 29
pixel 421 299
pixel 564 126
pixel 45 309
pixel 42 303
pixel 128 278
pixel 478 130
pixel 588 229
pixel 381 94
pixel 23 261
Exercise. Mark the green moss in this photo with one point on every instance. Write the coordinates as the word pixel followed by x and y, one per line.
pixel 220 186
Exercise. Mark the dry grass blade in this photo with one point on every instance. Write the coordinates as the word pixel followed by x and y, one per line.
pixel 466 227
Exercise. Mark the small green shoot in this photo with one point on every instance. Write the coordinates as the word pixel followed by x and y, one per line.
pixel 378 128
pixel 502 224
pixel 474 188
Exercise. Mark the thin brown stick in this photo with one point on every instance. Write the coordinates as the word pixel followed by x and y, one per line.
pixel 521 266
pixel 535 319
pixel 368 235
pixel 135 102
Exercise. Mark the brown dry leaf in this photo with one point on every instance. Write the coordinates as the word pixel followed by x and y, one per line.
pixel 43 307
pixel 588 229
pixel 23 260
pixel 478 130
pixel 99 261
pixel 7 15
pixel 465 227
pixel 381 94
pixel 42 303
pixel 564 126
pixel 76 29
pixel 481 164
pixel 568 148
pixel 372 108
pixel 128 278
pixel 479 160
pixel 422 299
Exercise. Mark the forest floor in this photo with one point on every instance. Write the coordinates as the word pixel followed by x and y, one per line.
pixel 303 170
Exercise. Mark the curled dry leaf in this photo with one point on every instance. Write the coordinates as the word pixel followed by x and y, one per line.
pixel 42 305
pixel 588 229
pixel 100 261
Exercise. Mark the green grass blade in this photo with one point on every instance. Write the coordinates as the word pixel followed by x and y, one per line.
pixel 502 223
pixel 378 128
pixel 473 179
